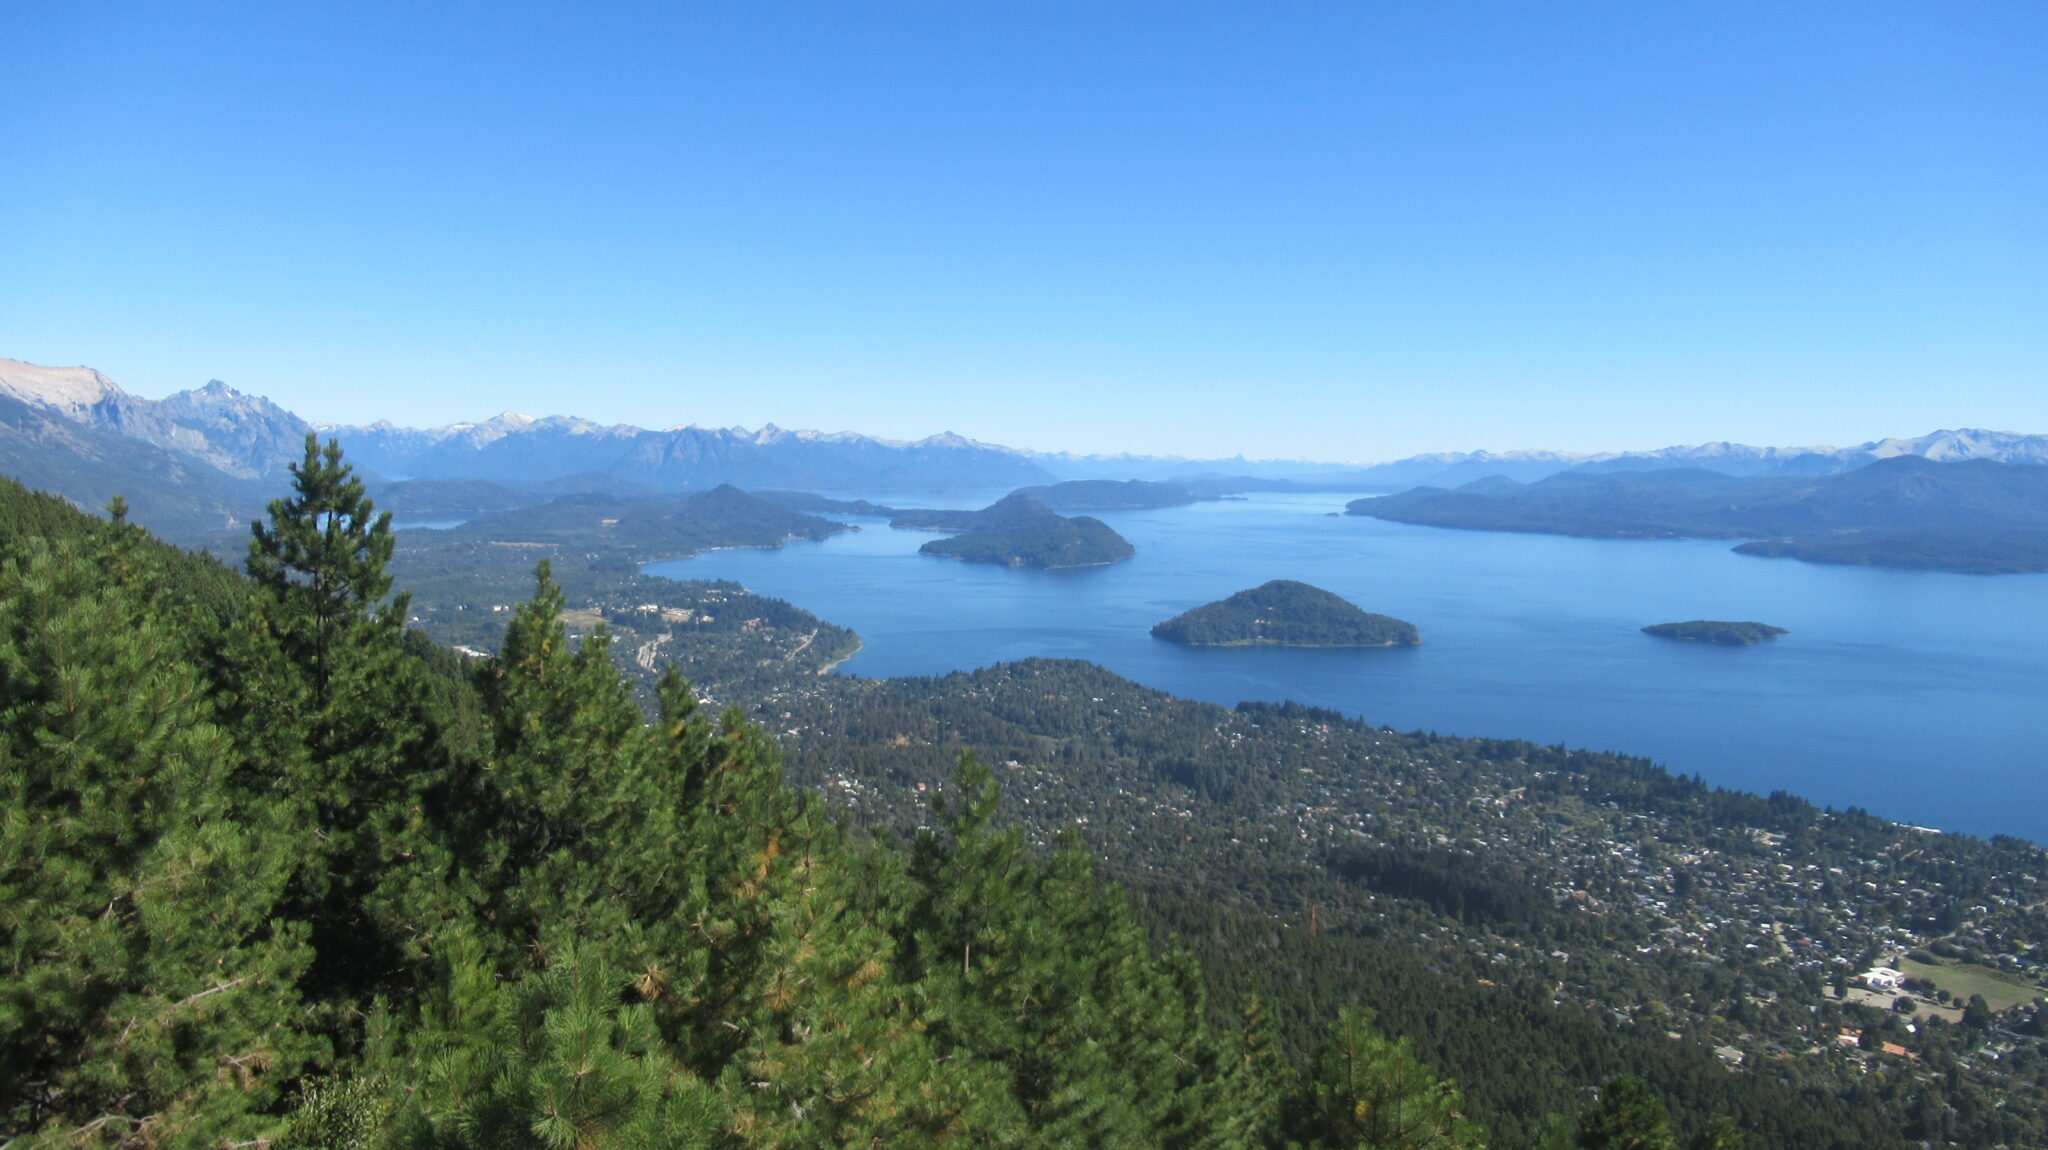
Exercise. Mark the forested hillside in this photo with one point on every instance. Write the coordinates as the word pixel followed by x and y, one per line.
pixel 1534 919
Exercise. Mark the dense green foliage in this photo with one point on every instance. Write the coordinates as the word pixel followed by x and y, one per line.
pixel 1019 531
pixel 1975 516
pixel 1284 613
pixel 275 875
pixel 1716 631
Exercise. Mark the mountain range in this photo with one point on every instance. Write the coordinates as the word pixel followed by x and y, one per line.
pixel 204 461
pixel 1456 468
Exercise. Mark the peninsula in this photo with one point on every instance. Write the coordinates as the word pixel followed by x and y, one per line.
pixel 1716 631
pixel 1284 613
pixel 1971 516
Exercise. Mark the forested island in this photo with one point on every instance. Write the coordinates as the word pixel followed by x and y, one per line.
pixel 1974 517
pixel 1019 531
pixel 1716 631
pixel 1284 613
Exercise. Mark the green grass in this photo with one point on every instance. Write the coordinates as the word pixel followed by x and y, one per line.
pixel 1961 979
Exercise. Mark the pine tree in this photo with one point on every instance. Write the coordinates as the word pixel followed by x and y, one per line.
pixel 1366 1090
pixel 565 1059
pixel 146 986
pixel 324 553
pixel 1629 1116
pixel 1719 1134
pixel 561 828
pixel 336 719
pixel 1041 970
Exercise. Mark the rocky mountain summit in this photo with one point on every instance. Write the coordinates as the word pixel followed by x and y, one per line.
pixel 242 436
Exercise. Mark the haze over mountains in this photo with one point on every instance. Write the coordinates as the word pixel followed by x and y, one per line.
pixel 205 460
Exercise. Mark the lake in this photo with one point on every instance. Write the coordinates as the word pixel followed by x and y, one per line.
pixel 1922 697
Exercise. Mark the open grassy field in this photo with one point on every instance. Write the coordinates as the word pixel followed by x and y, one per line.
pixel 1961 979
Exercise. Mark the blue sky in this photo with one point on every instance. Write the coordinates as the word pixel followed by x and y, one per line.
pixel 1333 231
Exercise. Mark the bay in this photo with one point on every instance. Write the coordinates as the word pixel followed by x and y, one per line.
pixel 1920 696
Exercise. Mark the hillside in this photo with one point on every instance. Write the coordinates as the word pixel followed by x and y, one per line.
pixel 1284 613
pixel 664 527
pixel 1536 919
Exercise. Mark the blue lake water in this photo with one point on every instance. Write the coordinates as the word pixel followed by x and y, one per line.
pixel 1920 696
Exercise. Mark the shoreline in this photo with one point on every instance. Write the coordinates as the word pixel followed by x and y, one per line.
pixel 858 646
pixel 1292 646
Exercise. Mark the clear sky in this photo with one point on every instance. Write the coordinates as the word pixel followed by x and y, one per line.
pixel 1334 231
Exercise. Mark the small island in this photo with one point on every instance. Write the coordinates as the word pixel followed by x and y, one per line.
pixel 1716 631
pixel 1019 531
pixel 1284 613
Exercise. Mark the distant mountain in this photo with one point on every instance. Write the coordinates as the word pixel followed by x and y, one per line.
pixel 1456 468
pixel 207 460
pixel 175 495
pixel 1989 516
pixel 1736 459
pixel 521 450
pixel 243 436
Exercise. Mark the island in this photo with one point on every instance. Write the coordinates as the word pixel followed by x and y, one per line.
pixel 1716 631
pixel 1019 531
pixel 1284 613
